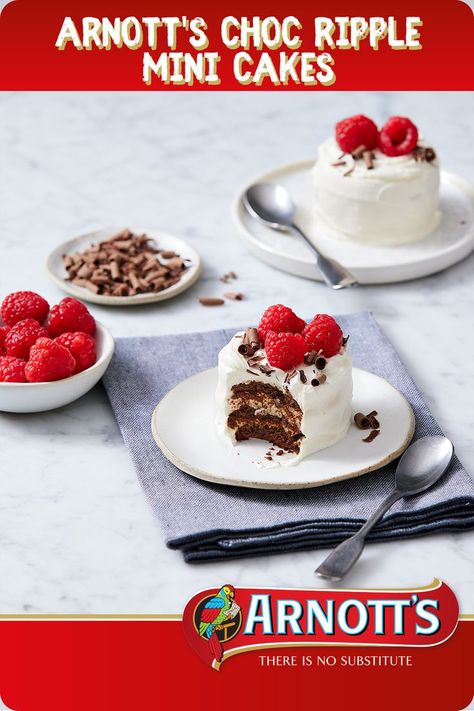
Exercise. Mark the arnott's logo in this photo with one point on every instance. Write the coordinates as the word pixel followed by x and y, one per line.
pixel 221 623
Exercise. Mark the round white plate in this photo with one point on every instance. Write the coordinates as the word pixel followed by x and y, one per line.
pixel 57 272
pixel 452 241
pixel 183 427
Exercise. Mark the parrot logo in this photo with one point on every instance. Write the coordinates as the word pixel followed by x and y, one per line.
pixel 218 619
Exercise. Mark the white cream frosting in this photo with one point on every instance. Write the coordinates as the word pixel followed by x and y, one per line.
pixel 393 203
pixel 326 408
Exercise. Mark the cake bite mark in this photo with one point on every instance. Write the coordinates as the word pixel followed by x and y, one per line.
pixel 264 411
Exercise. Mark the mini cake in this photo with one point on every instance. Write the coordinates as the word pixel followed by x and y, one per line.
pixel 286 382
pixel 377 186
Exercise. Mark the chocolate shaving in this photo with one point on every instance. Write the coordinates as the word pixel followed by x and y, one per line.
pixel 303 377
pixel 421 153
pixel 319 380
pixel 266 369
pixel 344 341
pixel 338 163
pixel 234 295
pixel 310 357
pixel 371 436
pixel 227 278
pixel 251 372
pixel 210 301
pixel 368 157
pixel 348 172
pixel 124 265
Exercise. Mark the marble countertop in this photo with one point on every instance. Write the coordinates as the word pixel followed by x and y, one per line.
pixel 76 533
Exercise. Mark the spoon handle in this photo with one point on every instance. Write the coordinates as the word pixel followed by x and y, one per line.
pixel 333 273
pixel 346 554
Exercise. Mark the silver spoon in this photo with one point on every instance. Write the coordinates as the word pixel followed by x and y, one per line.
pixel 423 463
pixel 272 205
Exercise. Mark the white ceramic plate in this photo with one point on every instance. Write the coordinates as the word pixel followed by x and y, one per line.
pixel 58 274
pixel 451 242
pixel 183 427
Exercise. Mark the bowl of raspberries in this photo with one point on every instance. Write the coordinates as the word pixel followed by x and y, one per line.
pixel 49 356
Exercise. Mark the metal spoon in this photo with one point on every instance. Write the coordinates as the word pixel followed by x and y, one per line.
pixel 272 205
pixel 423 463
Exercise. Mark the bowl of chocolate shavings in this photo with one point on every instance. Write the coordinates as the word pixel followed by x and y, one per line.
pixel 124 267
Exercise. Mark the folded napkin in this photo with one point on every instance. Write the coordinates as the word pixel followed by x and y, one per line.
pixel 212 522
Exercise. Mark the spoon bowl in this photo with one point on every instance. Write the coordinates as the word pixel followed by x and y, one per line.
pixel 271 204
pixel 423 464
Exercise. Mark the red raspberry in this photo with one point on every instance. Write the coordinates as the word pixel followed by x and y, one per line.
pixel 280 319
pixel 3 332
pixel 398 137
pixel 356 131
pixel 68 316
pixel 12 370
pixel 285 350
pixel 49 361
pixel 24 304
pixel 323 334
pixel 21 337
pixel 81 346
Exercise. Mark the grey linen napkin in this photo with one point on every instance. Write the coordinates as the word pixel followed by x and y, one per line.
pixel 211 522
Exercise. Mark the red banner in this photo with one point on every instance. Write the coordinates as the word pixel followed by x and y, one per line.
pixel 140 664
pixel 240 46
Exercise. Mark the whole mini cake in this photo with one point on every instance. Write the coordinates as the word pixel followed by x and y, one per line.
pixel 287 382
pixel 378 186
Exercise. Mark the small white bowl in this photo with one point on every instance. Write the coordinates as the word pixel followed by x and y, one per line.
pixel 39 397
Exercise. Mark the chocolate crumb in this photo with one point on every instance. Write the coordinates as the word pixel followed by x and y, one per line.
pixel 280 452
pixel 234 295
pixel 227 278
pixel 372 436
pixel 210 301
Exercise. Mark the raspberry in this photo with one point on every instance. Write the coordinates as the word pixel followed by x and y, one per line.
pixel 398 137
pixel 12 370
pixel 3 332
pixel 323 334
pixel 356 131
pixel 68 316
pixel 81 346
pixel 280 319
pixel 21 337
pixel 285 350
pixel 49 361
pixel 24 304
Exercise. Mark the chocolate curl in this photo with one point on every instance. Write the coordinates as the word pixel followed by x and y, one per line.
pixel 361 421
pixel 368 157
pixel 310 357
pixel 303 377
pixel 320 362
pixel 359 151
pixel 371 436
pixel 250 343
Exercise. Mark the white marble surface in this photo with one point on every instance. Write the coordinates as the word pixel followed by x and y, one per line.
pixel 76 534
